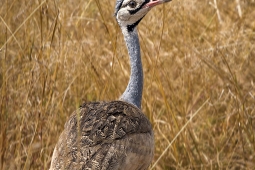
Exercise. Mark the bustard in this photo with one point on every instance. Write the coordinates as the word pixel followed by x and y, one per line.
pixel 112 135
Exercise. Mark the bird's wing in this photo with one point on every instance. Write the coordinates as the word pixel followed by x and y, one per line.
pixel 101 134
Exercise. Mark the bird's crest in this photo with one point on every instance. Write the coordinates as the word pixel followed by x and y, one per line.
pixel 117 6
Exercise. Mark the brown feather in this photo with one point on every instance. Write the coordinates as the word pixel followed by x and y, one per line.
pixel 105 135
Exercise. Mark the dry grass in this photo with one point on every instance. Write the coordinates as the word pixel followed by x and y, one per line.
pixel 57 54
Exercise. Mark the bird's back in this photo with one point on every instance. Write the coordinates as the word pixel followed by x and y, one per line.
pixel 105 135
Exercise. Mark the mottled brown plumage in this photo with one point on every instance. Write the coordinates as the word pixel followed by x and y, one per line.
pixel 112 135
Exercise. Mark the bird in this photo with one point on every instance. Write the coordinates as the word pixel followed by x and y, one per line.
pixel 112 135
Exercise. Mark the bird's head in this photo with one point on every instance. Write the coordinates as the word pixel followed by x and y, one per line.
pixel 130 12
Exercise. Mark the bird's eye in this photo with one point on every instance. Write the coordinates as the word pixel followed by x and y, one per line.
pixel 132 4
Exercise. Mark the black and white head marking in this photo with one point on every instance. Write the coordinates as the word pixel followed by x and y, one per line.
pixel 129 13
pixel 117 6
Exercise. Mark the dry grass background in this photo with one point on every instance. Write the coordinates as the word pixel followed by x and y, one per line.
pixel 199 63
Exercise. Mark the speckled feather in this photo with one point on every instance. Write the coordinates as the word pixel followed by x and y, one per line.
pixel 112 135
pixel 105 135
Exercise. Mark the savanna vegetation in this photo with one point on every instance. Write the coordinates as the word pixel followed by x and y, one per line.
pixel 199 69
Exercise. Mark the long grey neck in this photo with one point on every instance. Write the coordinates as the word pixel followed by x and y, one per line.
pixel 133 92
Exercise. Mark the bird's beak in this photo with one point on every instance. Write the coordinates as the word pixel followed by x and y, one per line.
pixel 153 3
